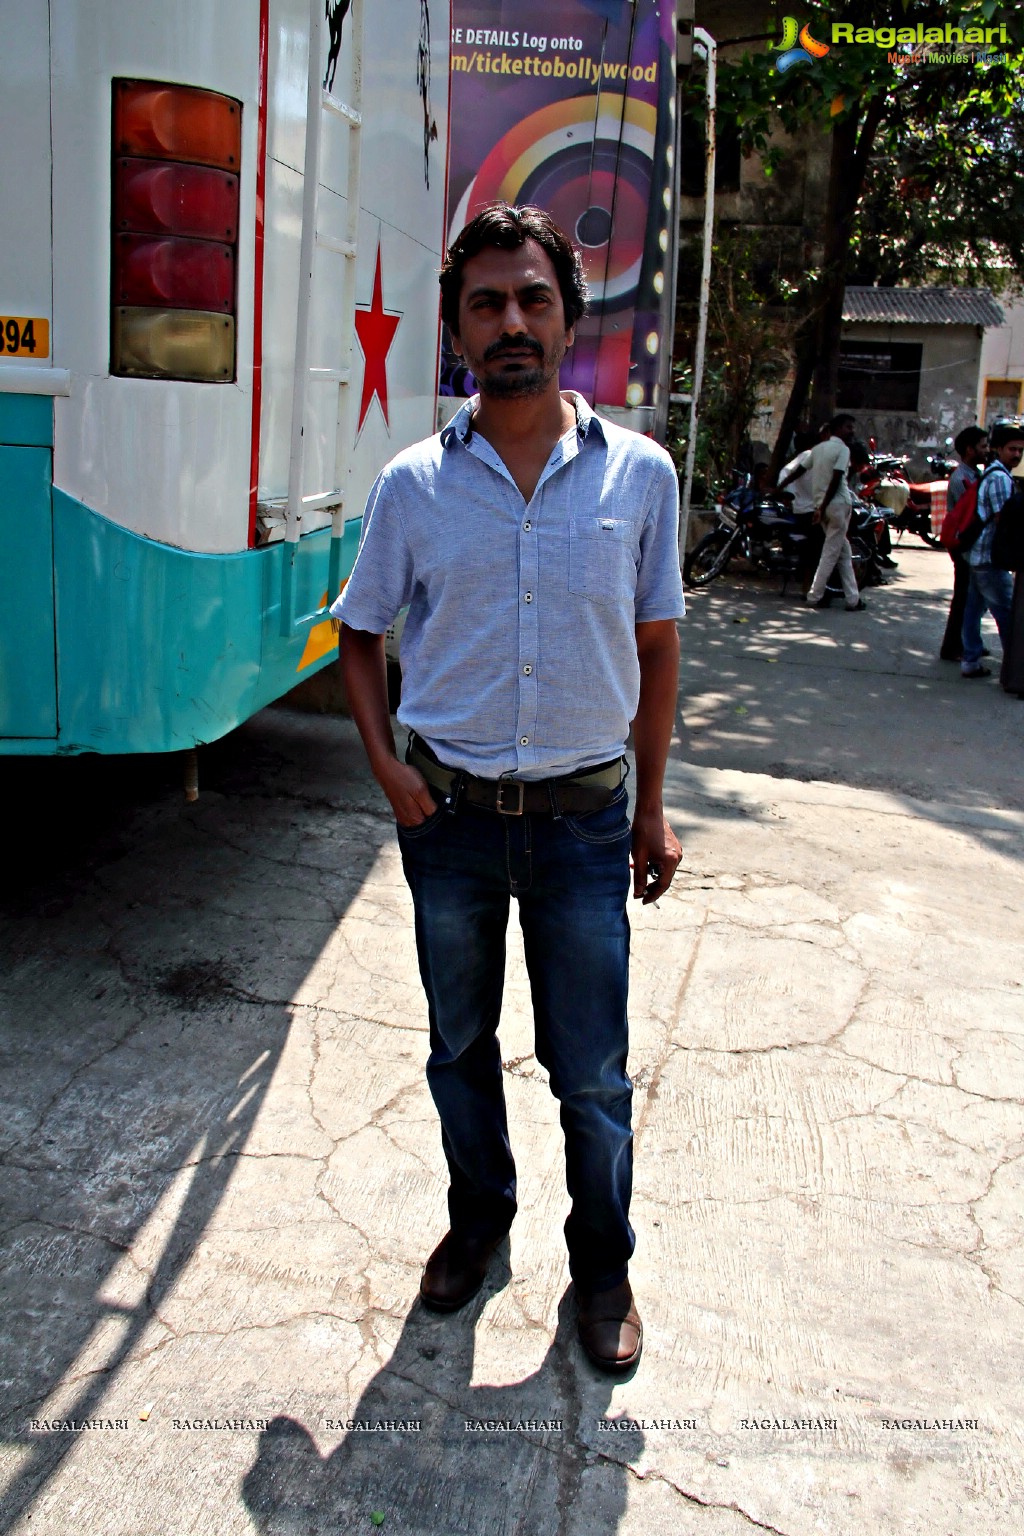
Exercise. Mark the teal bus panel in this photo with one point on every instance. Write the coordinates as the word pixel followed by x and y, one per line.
pixel 160 649
pixel 26 420
pixel 28 690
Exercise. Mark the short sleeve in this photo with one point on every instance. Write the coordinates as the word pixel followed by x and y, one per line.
pixel 996 488
pixel 659 585
pixel 840 454
pixel 381 582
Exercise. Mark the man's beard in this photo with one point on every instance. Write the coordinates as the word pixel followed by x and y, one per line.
pixel 515 386
pixel 521 383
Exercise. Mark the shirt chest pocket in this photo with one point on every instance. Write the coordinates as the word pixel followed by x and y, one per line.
pixel 601 562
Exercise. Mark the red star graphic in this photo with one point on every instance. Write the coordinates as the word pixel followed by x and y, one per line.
pixel 375 328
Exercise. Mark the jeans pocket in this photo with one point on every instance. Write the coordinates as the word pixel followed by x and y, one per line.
pixel 607 825
pixel 422 828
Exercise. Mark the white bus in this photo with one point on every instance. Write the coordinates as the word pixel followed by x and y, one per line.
pixel 219 241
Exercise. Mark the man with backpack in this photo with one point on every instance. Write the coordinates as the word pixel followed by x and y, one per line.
pixel 972 447
pixel 990 587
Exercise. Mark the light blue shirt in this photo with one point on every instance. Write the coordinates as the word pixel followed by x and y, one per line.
pixel 995 488
pixel 519 653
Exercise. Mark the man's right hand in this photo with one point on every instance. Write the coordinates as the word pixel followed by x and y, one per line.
pixel 408 792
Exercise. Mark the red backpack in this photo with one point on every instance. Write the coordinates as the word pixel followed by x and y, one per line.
pixel 961 524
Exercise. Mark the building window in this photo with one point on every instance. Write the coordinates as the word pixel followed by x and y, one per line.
pixel 879 376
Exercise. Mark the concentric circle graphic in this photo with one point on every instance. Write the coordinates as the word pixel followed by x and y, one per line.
pixel 589 160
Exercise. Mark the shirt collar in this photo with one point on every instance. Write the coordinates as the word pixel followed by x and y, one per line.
pixel 460 427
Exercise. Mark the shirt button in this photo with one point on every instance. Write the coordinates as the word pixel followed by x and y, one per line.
pixel 524 741
pixel 527 526
pixel 527 670
pixel 528 597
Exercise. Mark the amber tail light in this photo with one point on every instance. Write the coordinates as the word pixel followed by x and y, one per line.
pixel 174 241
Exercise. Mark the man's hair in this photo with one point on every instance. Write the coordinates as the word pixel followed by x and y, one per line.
pixel 505 228
pixel 1006 432
pixel 970 437
pixel 859 454
pixel 840 421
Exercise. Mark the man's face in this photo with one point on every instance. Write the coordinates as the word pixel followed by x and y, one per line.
pixel 512 330
pixel 1010 453
pixel 978 454
pixel 846 430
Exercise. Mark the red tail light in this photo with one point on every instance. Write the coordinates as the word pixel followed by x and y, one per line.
pixel 177 122
pixel 165 198
pixel 176 152
pixel 174 274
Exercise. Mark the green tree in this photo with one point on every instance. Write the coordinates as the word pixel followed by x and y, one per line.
pixel 941 204
pixel 749 345
pixel 894 129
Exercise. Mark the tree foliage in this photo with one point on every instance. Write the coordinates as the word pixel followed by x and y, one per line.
pixel 941 204
pixel 749 347
pixel 924 162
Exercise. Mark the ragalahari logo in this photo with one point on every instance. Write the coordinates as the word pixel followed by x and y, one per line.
pixel 797 46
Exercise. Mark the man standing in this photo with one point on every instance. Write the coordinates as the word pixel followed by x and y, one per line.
pixel 797 474
pixel 833 501
pixel 536 547
pixel 990 588
pixel 972 447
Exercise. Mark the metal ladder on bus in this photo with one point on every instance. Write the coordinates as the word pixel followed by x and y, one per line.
pixel 321 104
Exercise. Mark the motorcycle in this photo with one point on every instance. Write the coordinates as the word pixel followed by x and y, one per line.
pixel 755 525
pixel 764 531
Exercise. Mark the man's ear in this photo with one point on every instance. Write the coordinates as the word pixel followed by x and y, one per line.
pixel 570 337
pixel 456 344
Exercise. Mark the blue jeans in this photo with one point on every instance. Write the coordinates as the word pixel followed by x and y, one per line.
pixel 990 589
pixel 570 875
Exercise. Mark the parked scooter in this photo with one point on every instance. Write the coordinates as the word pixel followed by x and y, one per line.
pixel 911 510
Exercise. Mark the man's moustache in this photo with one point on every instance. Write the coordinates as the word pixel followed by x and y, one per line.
pixel 501 347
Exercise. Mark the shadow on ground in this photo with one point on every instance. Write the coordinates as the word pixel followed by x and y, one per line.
pixel 530 1470
pixel 139 938
pixel 856 699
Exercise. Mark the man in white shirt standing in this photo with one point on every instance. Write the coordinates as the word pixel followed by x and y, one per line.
pixel 833 501
pixel 795 479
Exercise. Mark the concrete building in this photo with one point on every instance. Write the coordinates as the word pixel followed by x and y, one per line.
pixel 910 360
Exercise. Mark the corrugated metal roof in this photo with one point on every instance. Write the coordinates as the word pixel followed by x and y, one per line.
pixel 922 306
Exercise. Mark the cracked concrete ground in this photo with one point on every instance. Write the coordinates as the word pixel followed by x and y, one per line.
pixel 221 1171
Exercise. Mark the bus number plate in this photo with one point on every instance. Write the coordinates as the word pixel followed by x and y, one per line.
pixel 24 336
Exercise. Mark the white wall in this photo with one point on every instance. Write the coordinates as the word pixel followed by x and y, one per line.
pixel 1002 355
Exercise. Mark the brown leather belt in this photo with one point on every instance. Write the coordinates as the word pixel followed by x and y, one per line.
pixel 574 794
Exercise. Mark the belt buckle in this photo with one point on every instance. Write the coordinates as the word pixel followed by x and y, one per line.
pixel 513 810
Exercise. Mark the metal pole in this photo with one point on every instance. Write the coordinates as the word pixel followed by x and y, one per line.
pixel 705 44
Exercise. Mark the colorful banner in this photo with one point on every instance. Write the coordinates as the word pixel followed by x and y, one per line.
pixel 571 105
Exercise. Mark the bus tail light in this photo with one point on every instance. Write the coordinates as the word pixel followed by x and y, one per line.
pixel 173 344
pixel 176 274
pixel 164 198
pixel 176 122
pixel 174 241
